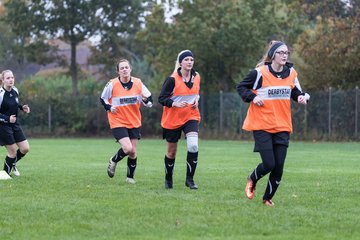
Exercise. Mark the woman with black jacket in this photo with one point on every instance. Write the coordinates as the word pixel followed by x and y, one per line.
pixel 11 134
pixel 268 88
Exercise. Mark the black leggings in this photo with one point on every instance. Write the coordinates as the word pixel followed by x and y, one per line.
pixel 272 162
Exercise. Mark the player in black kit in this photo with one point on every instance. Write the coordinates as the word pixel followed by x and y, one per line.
pixel 11 134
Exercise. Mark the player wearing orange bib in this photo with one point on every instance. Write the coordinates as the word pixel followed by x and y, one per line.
pixel 268 88
pixel 180 98
pixel 122 98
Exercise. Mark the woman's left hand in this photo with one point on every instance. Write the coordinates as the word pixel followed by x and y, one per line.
pixel 302 99
pixel 26 108
pixel 195 104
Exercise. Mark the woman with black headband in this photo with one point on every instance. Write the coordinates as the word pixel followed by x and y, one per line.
pixel 268 88
pixel 180 99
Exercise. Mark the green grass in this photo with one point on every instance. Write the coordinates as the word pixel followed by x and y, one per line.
pixel 65 193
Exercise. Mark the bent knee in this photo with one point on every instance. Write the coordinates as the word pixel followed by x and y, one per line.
pixel 128 149
pixel 132 153
pixel 269 167
pixel 171 154
pixel 24 150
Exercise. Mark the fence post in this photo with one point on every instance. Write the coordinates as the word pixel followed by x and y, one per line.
pixel 329 116
pixel 202 107
pixel 305 121
pixel 240 119
pixel 221 110
pixel 49 117
pixel 356 110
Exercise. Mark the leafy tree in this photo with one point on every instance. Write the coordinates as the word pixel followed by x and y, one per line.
pixel 328 52
pixel 227 37
pixel 157 45
pixel 73 22
pixel 21 40
pixel 117 22
pixel 35 21
pixel 312 9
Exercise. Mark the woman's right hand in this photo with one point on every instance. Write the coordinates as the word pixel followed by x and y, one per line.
pixel 12 119
pixel 258 101
pixel 113 110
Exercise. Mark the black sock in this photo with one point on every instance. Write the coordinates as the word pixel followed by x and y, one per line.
pixel 131 167
pixel 191 163
pixel 256 174
pixel 276 174
pixel 271 188
pixel 169 168
pixel 8 165
pixel 119 155
pixel 19 155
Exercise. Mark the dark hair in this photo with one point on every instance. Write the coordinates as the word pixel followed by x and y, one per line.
pixel 273 48
pixel 181 55
pixel 120 61
pixel 186 53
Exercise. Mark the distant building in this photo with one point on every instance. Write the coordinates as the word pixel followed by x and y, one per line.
pixel 83 54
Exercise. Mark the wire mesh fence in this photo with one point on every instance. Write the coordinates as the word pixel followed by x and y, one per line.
pixel 330 115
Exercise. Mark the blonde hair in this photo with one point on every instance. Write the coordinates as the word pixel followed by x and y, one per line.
pixel 177 64
pixel 266 58
pixel 3 75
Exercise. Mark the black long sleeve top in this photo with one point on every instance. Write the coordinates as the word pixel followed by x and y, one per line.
pixel 244 87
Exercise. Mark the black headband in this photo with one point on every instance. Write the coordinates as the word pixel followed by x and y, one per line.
pixel 185 54
pixel 273 49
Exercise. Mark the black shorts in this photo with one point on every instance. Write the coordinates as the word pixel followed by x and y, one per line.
pixel 11 133
pixel 265 140
pixel 121 132
pixel 173 135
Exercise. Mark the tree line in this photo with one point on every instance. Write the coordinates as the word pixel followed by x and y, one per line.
pixel 227 37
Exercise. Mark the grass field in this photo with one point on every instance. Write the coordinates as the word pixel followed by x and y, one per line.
pixel 65 193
